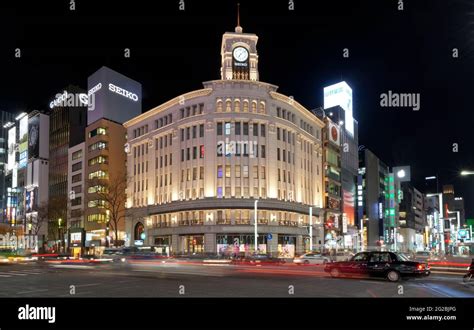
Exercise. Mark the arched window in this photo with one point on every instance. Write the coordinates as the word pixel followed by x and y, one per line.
pixel 228 105
pixel 262 107
pixel 246 105
pixel 237 105
pixel 139 230
pixel 254 106
pixel 219 105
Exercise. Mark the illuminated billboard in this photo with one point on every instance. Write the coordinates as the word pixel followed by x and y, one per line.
pixel 33 136
pixel 340 94
pixel 11 148
pixel 23 142
pixel 108 91
pixel 333 134
pixel 349 206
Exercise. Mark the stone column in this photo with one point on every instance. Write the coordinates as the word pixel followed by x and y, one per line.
pixel 299 248
pixel 175 244
pixel 210 245
pixel 272 245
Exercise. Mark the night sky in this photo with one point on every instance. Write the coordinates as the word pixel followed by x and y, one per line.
pixel 173 52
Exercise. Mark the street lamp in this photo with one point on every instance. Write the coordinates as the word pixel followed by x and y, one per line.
pixel 255 224
pixel 107 228
pixel 59 233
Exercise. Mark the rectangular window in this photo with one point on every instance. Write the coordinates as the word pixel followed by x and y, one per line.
pixel 246 128
pixel 201 172
pixel 188 153
pixel 97 131
pixel 237 128
pixel 246 171
pixel 255 129
pixel 263 153
pixel 182 134
pixel 77 166
pixel 278 153
pixel 98 160
pixel 262 130
pixel 99 175
pixel 219 128
pixel 195 151
pixel 77 189
pixel 227 171
pixel 219 171
pixel 194 132
pixel 195 173
pixel 201 130
pixel 188 133
pixel 201 151
pixel 255 172
pixel 98 146
pixel 77 178
pixel 262 173
pixel 227 128
pixel 237 171
pixel 278 133
pixel 76 154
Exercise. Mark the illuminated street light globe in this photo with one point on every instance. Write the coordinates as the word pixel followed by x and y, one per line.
pixel 401 174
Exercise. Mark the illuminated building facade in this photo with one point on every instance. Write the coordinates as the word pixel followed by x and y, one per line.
pixel 373 199
pixel 200 161
pixel 113 99
pixel 6 119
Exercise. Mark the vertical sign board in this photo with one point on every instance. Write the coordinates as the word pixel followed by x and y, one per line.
pixel 11 148
pixel 23 142
pixel 33 136
pixel 340 94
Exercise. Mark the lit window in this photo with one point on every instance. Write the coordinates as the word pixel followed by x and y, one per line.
pixel 98 131
pixel 246 171
pixel 99 175
pixel 227 128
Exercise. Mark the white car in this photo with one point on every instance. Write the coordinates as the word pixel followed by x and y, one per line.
pixel 311 258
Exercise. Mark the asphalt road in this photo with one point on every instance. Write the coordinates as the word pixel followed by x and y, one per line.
pixel 158 279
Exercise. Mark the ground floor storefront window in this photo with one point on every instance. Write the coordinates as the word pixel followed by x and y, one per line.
pixel 240 244
pixel 192 244
pixel 162 245
pixel 286 246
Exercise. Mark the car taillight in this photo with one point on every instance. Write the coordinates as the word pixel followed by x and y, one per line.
pixel 421 266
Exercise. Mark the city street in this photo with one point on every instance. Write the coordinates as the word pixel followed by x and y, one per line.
pixel 176 279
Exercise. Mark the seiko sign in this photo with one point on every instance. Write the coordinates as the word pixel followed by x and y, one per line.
pixel 123 92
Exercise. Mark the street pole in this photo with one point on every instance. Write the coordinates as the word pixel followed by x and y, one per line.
pixel 255 224
pixel 310 229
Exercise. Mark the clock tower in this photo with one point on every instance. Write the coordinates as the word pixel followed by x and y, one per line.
pixel 239 55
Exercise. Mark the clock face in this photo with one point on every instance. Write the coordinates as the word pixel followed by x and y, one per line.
pixel 240 54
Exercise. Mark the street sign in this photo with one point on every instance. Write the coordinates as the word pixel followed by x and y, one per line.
pixel 269 237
